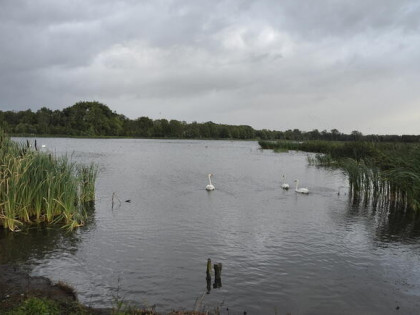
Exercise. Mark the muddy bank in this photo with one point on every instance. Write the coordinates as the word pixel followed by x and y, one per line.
pixel 16 285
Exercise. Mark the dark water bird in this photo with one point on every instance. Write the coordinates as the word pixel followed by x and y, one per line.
pixel 339 190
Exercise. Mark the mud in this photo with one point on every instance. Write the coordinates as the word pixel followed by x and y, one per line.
pixel 16 285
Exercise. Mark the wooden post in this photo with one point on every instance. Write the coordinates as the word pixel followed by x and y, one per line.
pixel 217 275
pixel 208 270
pixel 208 275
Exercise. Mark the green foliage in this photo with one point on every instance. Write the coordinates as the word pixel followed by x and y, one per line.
pixel 36 306
pixel 38 187
pixel 93 119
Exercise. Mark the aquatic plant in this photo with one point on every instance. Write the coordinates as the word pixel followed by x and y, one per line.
pixel 38 187
pixel 385 174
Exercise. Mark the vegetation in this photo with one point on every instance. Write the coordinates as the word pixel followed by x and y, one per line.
pixel 37 187
pixel 387 174
pixel 93 119
pixel 41 305
pixel 36 306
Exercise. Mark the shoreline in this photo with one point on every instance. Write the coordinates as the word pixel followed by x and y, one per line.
pixel 17 285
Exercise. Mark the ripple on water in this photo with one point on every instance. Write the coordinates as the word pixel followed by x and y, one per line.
pixel 310 254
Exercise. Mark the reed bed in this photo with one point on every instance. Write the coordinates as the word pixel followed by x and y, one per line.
pixel 384 174
pixel 37 187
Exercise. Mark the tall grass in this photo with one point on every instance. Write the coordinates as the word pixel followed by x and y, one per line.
pixel 37 187
pixel 385 174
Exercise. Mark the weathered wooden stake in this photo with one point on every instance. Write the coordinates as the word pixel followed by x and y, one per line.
pixel 208 270
pixel 217 275
pixel 208 275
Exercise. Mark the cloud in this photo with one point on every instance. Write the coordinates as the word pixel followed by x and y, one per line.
pixel 291 64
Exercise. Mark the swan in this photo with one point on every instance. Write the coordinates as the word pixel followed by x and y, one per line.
pixel 210 185
pixel 301 190
pixel 284 185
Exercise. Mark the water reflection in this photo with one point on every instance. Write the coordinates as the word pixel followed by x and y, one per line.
pixel 391 224
pixel 34 243
pixel 399 226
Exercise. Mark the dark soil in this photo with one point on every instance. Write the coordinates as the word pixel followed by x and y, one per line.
pixel 16 286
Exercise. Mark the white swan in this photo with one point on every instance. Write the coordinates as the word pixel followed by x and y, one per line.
pixel 284 185
pixel 210 185
pixel 301 190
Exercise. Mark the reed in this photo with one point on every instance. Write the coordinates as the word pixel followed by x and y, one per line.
pixel 385 174
pixel 37 187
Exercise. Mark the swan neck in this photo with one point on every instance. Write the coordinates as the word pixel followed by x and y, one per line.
pixel 210 179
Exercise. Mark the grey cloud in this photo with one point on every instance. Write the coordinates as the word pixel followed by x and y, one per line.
pixel 316 19
pixel 270 64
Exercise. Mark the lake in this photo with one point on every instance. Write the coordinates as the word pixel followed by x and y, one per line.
pixel 155 226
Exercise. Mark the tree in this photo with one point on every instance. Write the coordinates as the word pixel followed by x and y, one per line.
pixel 356 135
pixel 335 134
pixel 176 129
pixel 43 119
pixel 314 134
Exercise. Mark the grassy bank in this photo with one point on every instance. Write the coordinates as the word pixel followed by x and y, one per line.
pixel 386 174
pixel 37 187
pixel 39 305
pixel 23 294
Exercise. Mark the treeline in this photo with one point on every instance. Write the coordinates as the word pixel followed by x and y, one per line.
pixel 93 119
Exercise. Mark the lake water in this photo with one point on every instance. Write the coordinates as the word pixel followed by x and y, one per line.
pixel 281 251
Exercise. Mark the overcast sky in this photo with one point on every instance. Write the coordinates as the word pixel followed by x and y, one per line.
pixel 274 64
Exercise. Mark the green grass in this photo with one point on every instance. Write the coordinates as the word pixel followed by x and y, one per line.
pixel 47 306
pixel 38 187
pixel 36 306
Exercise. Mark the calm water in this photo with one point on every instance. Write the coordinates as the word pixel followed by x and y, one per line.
pixel 281 252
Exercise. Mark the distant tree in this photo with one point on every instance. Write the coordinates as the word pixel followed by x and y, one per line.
pixel 92 119
pixel 176 129
pixel 25 128
pixel 356 135
pixel 26 117
pixel 43 120
pixel 97 119
pixel 262 134
pixel 143 127
pixel 192 130
pixel 246 132
pixel 335 134
pixel 297 134
pixel 224 132
pixel 314 135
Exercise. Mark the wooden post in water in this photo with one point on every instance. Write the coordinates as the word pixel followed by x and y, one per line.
pixel 208 275
pixel 217 275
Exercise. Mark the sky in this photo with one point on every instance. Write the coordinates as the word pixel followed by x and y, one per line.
pixel 271 64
